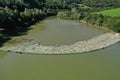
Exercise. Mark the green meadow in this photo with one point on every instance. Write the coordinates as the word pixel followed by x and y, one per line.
pixel 112 12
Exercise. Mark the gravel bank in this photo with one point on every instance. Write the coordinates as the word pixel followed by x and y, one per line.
pixel 95 43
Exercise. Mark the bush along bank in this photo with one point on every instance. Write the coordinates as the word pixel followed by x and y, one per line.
pixel 13 19
pixel 112 23
pixel 14 22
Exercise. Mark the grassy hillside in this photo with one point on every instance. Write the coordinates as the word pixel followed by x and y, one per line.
pixel 112 12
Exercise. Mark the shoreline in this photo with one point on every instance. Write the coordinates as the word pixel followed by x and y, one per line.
pixel 104 40
pixel 104 29
pixel 95 26
pixel 95 43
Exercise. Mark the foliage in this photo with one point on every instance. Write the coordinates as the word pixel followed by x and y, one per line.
pixel 54 4
pixel 51 12
pixel 102 3
pixel 68 15
pixel 31 15
pixel 8 18
pixel 63 15
pixel 16 14
pixel 22 4
pixel 112 23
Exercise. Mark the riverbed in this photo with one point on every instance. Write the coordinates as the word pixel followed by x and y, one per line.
pixel 98 65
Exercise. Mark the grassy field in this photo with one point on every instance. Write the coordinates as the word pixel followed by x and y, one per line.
pixel 112 12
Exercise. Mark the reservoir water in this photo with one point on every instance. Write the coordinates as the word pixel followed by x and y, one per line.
pixel 98 65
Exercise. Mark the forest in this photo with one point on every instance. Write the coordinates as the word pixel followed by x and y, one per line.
pixel 17 15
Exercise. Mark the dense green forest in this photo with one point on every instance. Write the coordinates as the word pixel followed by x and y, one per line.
pixel 17 15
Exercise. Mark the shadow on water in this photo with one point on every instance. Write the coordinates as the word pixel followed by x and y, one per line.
pixel 7 34
pixel 3 40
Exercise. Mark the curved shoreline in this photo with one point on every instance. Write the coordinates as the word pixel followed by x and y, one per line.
pixel 92 44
